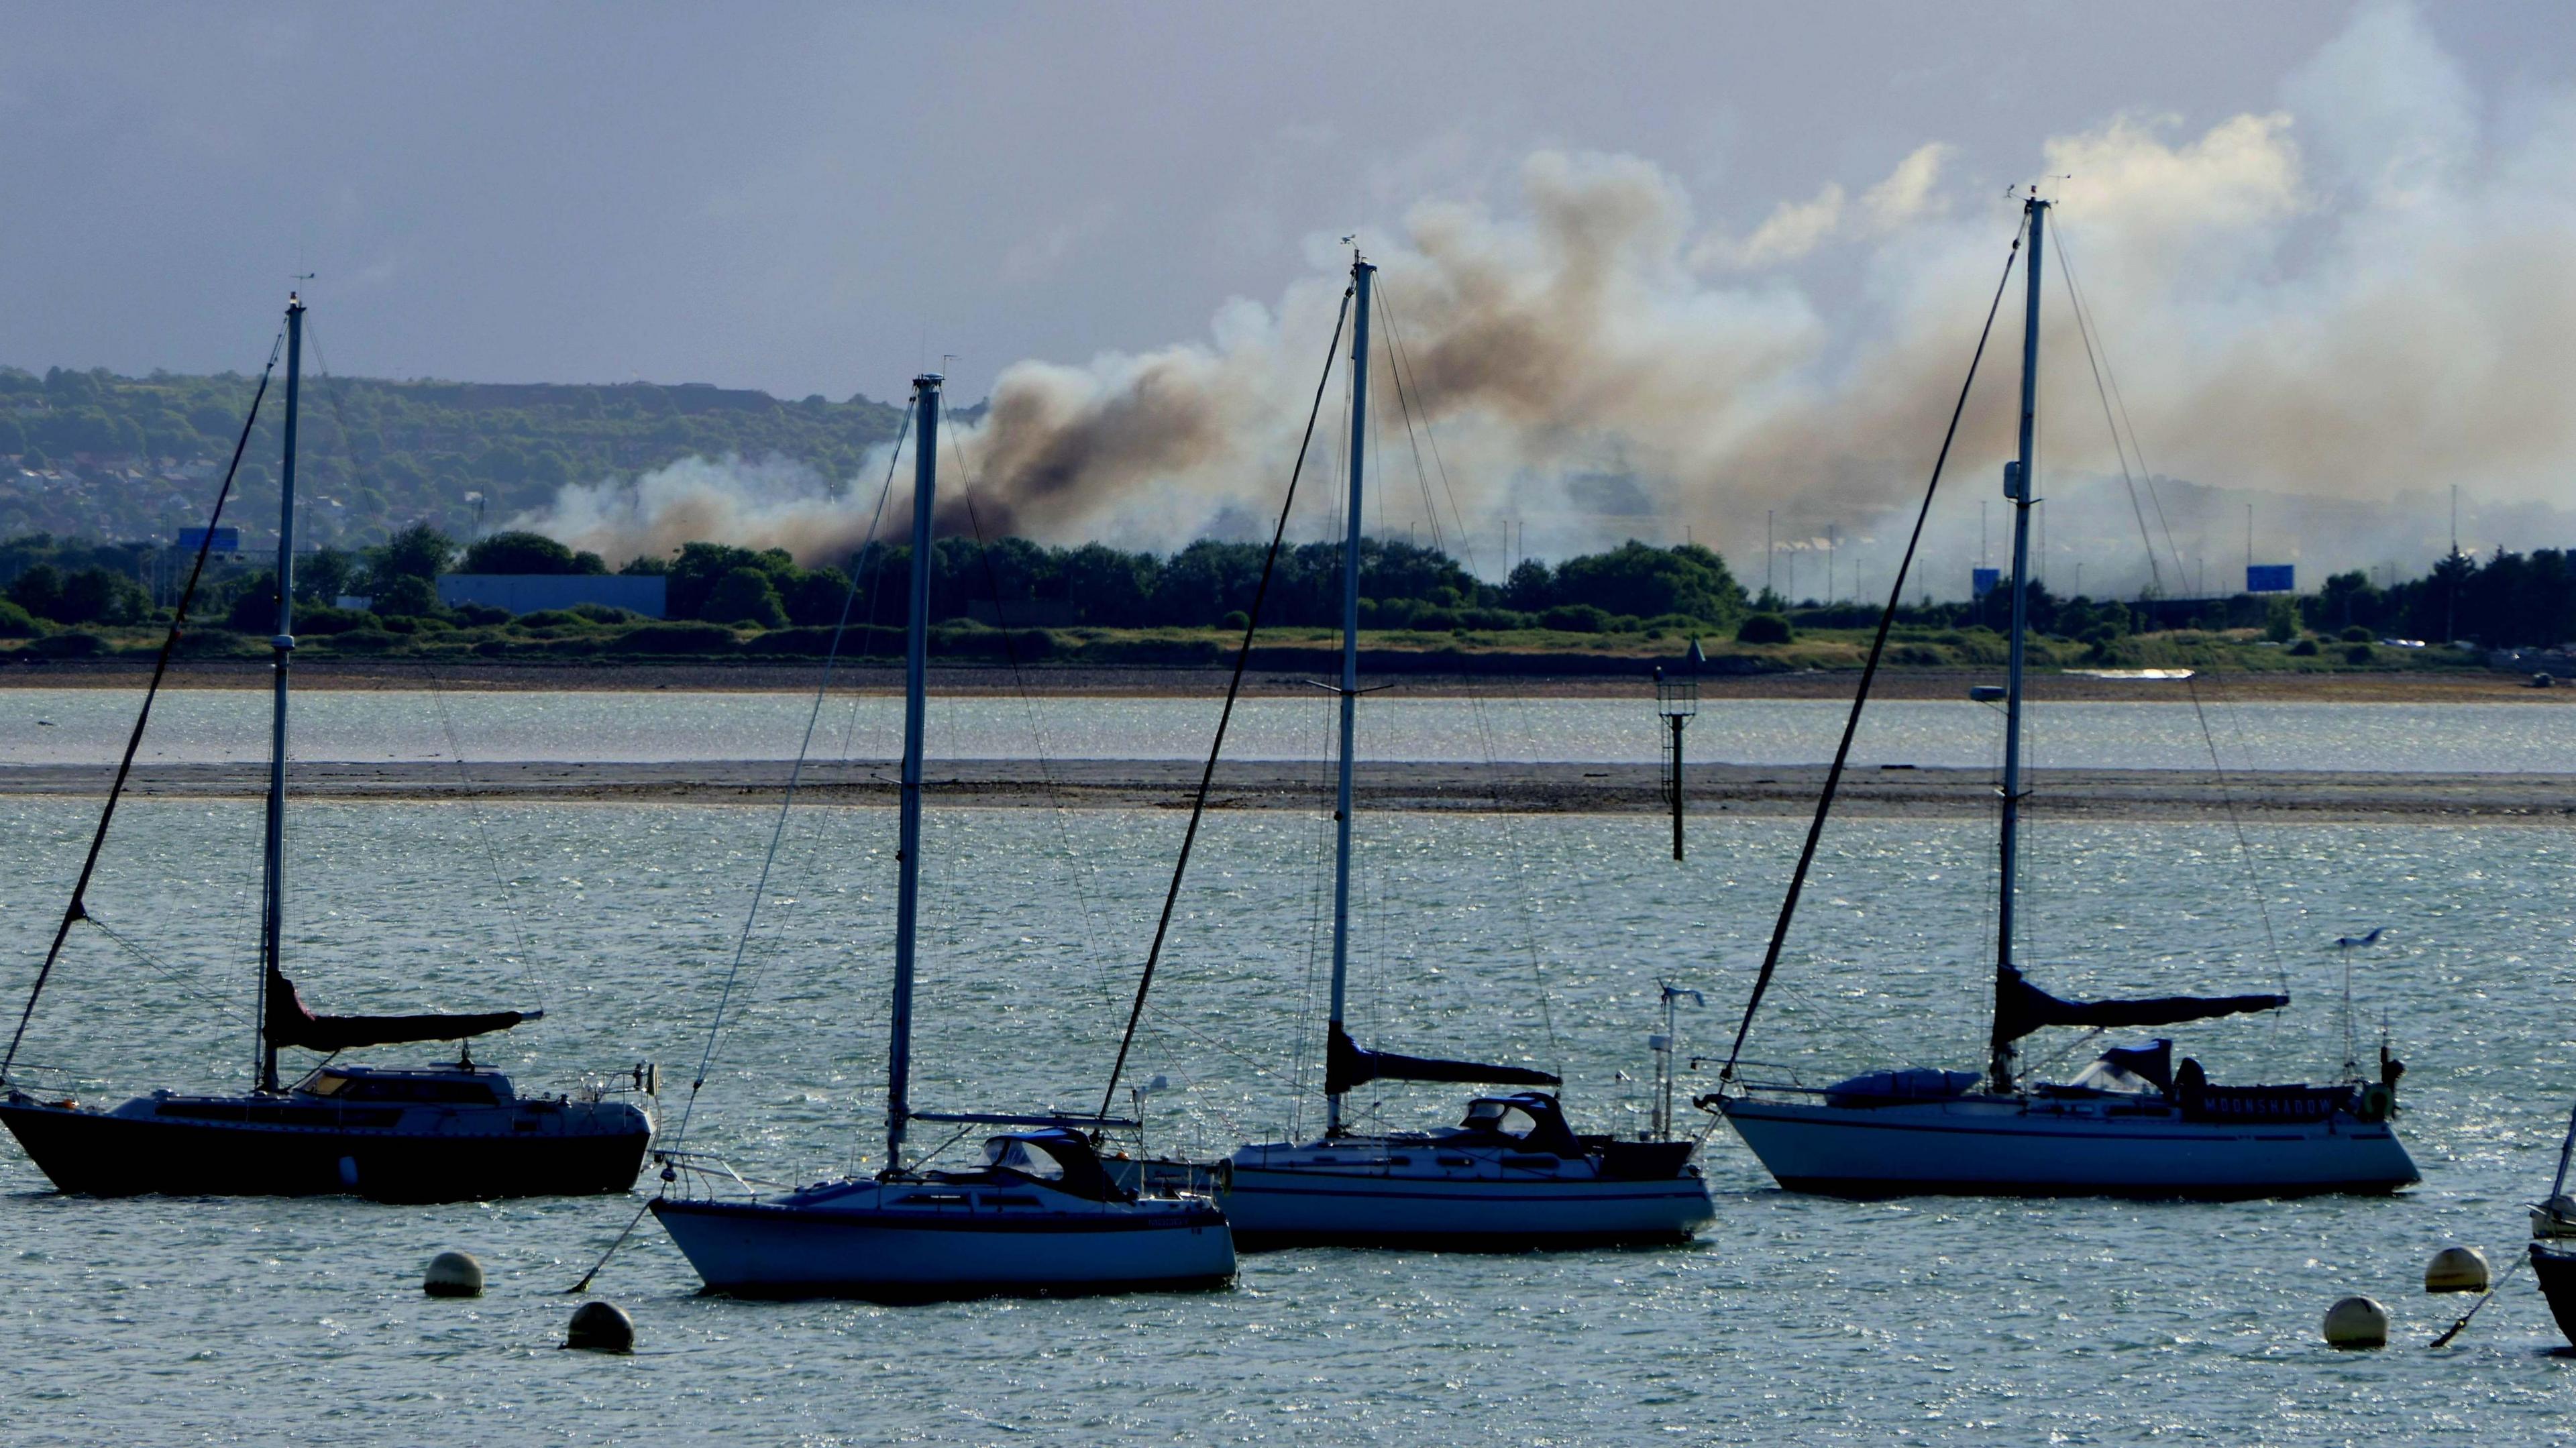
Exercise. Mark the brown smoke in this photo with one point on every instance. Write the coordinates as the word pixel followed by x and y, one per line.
pixel 2353 297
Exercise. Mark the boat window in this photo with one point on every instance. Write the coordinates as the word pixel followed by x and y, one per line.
pixel 327 1083
pixel 1013 1153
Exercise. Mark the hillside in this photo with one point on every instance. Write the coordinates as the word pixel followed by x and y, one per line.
pixel 104 456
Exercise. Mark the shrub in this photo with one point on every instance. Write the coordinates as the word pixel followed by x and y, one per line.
pixel 484 615
pixel 1765 628
pixel 675 638
pixel 365 641
pixel 324 620
pixel 1235 622
pixel 2359 654
pixel 1574 618
pixel 2354 634
pixel 16 622
pixel 2281 620
pixel 2304 649
pixel 552 618
pixel 602 613
pixel 67 646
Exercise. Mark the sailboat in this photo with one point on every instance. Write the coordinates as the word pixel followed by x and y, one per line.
pixel 2552 1220
pixel 1512 1175
pixel 2133 1122
pixel 439 1133
pixel 1040 1216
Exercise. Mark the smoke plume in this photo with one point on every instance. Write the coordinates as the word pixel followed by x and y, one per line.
pixel 2360 295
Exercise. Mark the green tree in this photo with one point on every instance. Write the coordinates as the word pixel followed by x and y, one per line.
pixel 404 595
pixel 1638 579
pixel 419 551
pixel 745 595
pixel 527 553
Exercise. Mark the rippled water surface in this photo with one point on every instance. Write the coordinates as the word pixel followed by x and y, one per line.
pixel 196 725
pixel 1793 1320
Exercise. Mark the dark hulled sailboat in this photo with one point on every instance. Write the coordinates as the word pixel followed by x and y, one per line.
pixel 445 1132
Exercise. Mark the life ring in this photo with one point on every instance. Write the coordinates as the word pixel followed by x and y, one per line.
pixel 2377 1103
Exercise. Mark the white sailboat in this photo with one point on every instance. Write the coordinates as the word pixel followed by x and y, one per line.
pixel 1512 1175
pixel 2132 1123
pixel 1040 1216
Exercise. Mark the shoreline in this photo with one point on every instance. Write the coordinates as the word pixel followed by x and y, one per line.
pixel 1190 682
pixel 1714 790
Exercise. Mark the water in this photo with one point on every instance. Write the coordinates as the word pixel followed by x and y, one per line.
pixel 75 726
pixel 1793 1320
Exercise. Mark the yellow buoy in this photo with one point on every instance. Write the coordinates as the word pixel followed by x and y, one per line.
pixel 2457 1269
pixel 601 1327
pixel 453 1274
pixel 2357 1322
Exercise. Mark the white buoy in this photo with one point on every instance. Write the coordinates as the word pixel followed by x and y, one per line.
pixel 2457 1269
pixel 605 1327
pixel 453 1274
pixel 2357 1322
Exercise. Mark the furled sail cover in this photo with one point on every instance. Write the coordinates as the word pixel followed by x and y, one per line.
pixel 2021 1008
pixel 290 1024
pixel 1347 1066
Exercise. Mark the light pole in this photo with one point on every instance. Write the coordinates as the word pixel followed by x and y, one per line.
pixel 1676 701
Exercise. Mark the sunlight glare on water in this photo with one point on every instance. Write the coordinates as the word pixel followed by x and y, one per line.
pixel 1795 1320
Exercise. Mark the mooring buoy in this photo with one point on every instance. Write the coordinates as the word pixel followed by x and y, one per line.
pixel 605 1327
pixel 2457 1269
pixel 2356 1322
pixel 453 1274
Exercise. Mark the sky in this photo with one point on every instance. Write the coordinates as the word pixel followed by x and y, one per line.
pixel 1069 202
pixel 819 198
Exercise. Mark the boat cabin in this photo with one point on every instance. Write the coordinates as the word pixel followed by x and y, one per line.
pixel 441 1085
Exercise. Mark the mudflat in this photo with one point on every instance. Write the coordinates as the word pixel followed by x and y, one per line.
pixel 2323 686
pixel 1714 789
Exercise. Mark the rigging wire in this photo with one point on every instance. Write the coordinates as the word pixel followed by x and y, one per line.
pixel 187 983
pixel 787 799
pixel 511 913
pixel 1869 670
pixel 1020 682
pixel 1401 367
pixel 77 910
pixel 2107 381
pixel 1233 690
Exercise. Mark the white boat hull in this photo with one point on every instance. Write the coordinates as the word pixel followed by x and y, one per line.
pixel 1398 1194
pixel 2006 1146
pixel 884 1244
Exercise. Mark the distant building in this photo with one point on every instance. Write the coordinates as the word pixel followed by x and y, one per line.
pixel 530 592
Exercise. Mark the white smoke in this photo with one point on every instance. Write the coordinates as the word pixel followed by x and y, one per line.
pixel 2361 294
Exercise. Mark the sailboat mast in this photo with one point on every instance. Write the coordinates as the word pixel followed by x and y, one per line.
pixel 2019 480
pixel 273 881
pixel 916 668
pixel 1361 271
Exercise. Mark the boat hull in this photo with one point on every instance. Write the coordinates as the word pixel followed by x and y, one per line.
pixel 112 1154
pixel 775 1250
pixel 2555 1268
pixel 2001 1146
pixel 1278 1198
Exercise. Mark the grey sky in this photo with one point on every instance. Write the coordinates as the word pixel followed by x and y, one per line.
pixel 817 198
